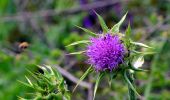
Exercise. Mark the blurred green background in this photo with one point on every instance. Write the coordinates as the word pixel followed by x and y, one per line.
pixel 49 25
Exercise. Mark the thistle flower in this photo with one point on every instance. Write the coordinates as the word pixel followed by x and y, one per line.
pixel 105 52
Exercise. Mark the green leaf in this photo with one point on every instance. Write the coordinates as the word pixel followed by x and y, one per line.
pixel 134 69
pixel 102 23
pixel 90 69
pixel 67 96
pixel 32 74
pixel 53 96
pixel 143 53
pixel 61 85
pixel 141 44
pixel 111 77
pixel 78 42
pixel 43 68
pixel 129 83
pixel 26 84
pixel 20 98
pixel 29 81
pixel 97 84
pixel 58 75
pixel 127 39
pixel 51 70
pixel 87 31
pixel 75 53
pixel 115 28
pixel 128 31
pixel 45 79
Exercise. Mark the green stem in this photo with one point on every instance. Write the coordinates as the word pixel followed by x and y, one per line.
pixel 132 95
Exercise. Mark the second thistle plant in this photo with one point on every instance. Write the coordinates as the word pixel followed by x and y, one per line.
pixel 113 53
pixel 49 85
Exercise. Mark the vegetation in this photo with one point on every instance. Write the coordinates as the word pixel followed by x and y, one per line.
pixel 36 32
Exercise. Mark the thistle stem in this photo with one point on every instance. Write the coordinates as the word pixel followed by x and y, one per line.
pixel 132 95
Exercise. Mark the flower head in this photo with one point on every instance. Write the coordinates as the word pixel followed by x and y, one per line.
pixel 108 51
pixel 105 52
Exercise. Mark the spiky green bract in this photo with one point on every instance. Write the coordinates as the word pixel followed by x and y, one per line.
pixel 87 31
pixel 49 85
pixel 89 70
pixel 131 62
pixel 102 23
pixel 115 28
pixel 97 83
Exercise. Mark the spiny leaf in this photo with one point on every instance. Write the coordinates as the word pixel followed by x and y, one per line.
pixel 20 98
pixel 112 76
pixel 139 69
pixel 127 36
pixel 58 75
pixel 51 70
pixel 75 53
pixel 149 53
pixel 37 87
pixel 29 81
pixel 97 84
pixel 44 70
pixel 87 31
pixel 67 96
pixel 26 84
pixel 141 44
pixel 143 53
pixel 115 28
pixel 90 69
pixel 31 94
pixel 45 79
pixel 102 23
pixel 128 31
pixel 32 74
pixel 78 42
pixel 129 83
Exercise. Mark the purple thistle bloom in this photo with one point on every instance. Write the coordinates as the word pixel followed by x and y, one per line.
pixel 105 52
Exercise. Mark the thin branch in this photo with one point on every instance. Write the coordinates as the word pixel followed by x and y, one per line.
pixel 152 29
pixel 52 12
pixel 90 92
